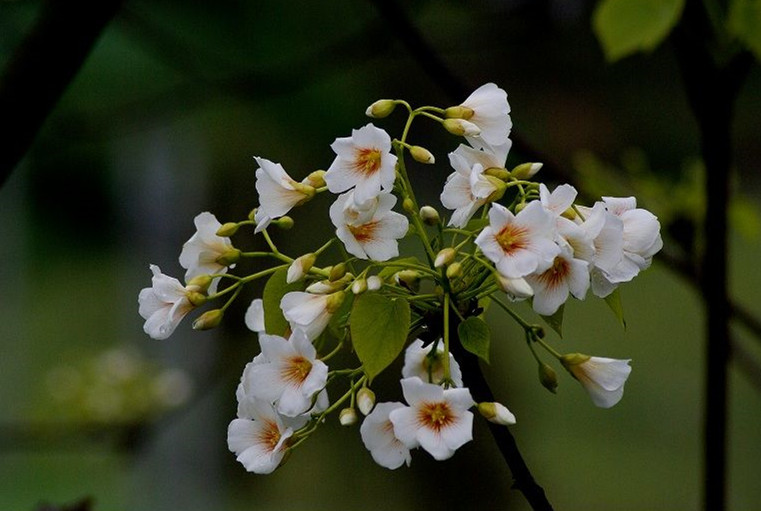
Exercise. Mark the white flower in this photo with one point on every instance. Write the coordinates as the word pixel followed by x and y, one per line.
pixel 491 113
pixel 377 433
pixel 519 244
pixel 372 233
pixel 163 305
pixel 364 162
pixel 300 267
pixel 254 316
pixel 278 192
pixel 436 419
pixel 467 189
pixel 201 253
pixel 310 312
pixel 496 413
pixel 603 378
pixel 641 232
pixel 288 375
pixel 258 436
pixel 551 287
pixel 559 200
pixel 420 361
pixel 515 289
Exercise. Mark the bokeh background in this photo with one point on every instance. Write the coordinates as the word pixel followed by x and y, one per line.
pixel 162 123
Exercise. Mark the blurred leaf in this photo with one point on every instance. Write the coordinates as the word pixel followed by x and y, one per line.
pixel 614 302
pixel 745 23
pixel 379 327
pixel 624 27
pixel 745 218
pixel 475 337
pixel 274 290
pixel 556 320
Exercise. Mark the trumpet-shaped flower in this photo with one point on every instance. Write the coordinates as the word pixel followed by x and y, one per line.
pixel 491 113
pixel 559 200
pixel 258 436
pixel 436 419
pixel 288 375
pixel 428 365
pixel 369 233
pixel 364 162
pixel 519 244
pixel 203 253
pixel 602 378
pixel 551 287
pixel 377 433
pixel 163 305
pixel 278 192
pixel 310 312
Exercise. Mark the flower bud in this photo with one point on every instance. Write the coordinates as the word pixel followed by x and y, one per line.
pixel 525 170
pixel 334 301
pixel 497 172
pixel 348 417
pixel 381 108
pixel 337 272
pixel 422 155
pixel 374 283
pixel 229 258
pixel 496 413
pixel 199 283
pixel 408 278
pixel 208 320
pixel 284 222
pixel 228 229
pixel 516 289
pixel 499 188
pixel 570 214
pixel 461 128
pixel 408 205
pixel 444 257
pixel 454 270
pixel 459 112
pixel 548 377
pixel 195 298
pixel 252 214
pixel 316 179
pixel 365 400
pixel 300 267
pixel 429 215
pixel 359 286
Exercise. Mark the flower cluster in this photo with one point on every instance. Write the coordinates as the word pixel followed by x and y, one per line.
pixel 507 238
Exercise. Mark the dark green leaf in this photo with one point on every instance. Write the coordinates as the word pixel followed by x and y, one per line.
pixel 274 290
pixel 745 23
pixel 556 320
pixel 475 337
pixel 614 302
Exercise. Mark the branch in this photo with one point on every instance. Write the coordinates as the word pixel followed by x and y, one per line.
pixel 42 67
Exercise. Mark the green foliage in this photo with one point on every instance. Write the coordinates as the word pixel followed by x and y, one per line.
pixel 624 27
pixel 475 337
pixel 614 302
pixel 745 23
pixel 274 290
pixel 556 320
pixel 378 327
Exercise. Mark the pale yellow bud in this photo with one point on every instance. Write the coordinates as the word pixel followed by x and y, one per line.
pixel 429 215
pixel 408 205
pixel 496 413
pixel 525 170
pixel 337 272
pixel 516 289
pixel 228 229
pixel 381 108
pixel 422 155
pixel 374 283
pixel 461 128
pixel 444 257
pixel 229 258
pixel 497 172
pixel 348 417
pixel 208 320
pixel 459 112
pixel 548 377
pixel 359 286
pixel 499 188
pixel 365 400
pixel 284 222
pixel 334 301
pixel 454 270
pixel 195 298
pixel 316 179
pixel 199 283
pixel 408 278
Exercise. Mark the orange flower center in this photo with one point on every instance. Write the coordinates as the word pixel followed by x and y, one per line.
pixel 269 435
pixel 512 238
pixel 367 160
pixel 435 416
pixel 296 370
pixel 363 233
pixel 556 274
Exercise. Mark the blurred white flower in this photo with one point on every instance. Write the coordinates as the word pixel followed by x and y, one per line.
pixel 491 113
pixel 278 192
pixel 202 252
pixel 163 305
pixel 310 312
pixel 377 433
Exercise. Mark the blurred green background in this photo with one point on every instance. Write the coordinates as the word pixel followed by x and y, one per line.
pixel 162 123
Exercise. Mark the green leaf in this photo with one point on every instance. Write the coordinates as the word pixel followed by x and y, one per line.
pixel 556 320
pixel 624 27
pixel 379 327
pixel 475 337
pixel 389 269
pixel 614 302
pixel 274 290
pixel 745 23
pixel 476 224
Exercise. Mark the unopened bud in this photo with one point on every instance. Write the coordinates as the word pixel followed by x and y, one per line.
pixel 208 320
pixel 284 222
pixel 252 215
pixel 229 258
pixel 299 267
pixel 444 257
pixel 422 155
pixel 525 170
pixel 334 301
pixel 516 289
pixel 359 286
pixel 337 272
pixel 228 229
pixel 195 298
pixel 499 188
pixel 429 215
pixel 548 377
pixel 497 172
pixel 365 400
pixel 199 283
pixel 408 278
pixel 408 205
pixel 316 179
pixel 459 112
pixel 461 128
pixel 454 270
pixel 570 214
pixel 496 413
pixel 381 108
pixel 348 417
pixel 374 283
